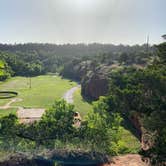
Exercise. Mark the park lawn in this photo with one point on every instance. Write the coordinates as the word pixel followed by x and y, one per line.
pixel 44 91
pixel 4 101
pixel 81 106
pixel 6 112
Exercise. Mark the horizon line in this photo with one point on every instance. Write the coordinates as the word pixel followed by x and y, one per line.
pixel 75 43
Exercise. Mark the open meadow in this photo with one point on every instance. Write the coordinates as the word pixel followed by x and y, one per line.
pixel 44 90
pixel 42 94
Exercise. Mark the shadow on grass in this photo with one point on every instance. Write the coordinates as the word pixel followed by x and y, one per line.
pixel 127 124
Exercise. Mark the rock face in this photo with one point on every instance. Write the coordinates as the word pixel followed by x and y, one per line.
pixel 78 158
pixel 144 135
pixel 94 86
pixel 75 158
pixel 61 157
pixel 93 77
pixel 17 160
pixel 135 119
pixel 23 160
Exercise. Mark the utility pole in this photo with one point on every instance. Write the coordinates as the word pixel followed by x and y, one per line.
pixel 30 83
pixel 147 46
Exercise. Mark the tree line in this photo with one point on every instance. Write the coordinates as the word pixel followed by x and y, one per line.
pixel 36 59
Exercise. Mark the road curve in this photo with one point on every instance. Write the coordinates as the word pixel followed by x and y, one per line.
pixel 68 96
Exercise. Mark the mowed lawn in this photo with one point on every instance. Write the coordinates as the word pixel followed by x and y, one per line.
pixel 81 106
pixel 43 92
pixel 7 112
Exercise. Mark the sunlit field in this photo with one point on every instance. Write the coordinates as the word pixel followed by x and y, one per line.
pixel 44 90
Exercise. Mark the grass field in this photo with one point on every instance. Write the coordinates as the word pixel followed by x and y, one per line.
pixel 3 101
pixel 131 141
pixel 80 104
pixel 44 91
pixel 7 111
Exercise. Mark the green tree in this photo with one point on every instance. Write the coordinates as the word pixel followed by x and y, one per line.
pixel 5 71
pixel 103 129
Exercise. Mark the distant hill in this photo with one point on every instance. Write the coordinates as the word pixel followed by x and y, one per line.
pixel 72 49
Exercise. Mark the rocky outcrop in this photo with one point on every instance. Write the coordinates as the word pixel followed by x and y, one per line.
pixel 146 138
pixel 17 160
pixel 78 157
pixel 20 159
pixel 135 120
pixel 93 77
pixel 62 157
pixel 94 86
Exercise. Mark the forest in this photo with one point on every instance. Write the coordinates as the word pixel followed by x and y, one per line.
pixel 36 59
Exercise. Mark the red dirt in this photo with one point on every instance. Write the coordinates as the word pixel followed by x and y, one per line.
pixel 127 160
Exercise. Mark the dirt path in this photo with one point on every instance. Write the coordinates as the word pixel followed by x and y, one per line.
pixel 8 105
pixel 127 160
pixel 68 96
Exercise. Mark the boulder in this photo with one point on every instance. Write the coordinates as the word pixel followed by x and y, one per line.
pixel 78 157
pixel 19 159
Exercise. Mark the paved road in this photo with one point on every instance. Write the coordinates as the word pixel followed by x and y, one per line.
pixel 68 96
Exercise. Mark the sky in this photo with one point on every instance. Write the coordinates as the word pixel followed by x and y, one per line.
pixel 82 21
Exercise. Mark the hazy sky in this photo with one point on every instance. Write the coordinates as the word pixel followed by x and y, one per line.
pixel 82 21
